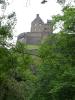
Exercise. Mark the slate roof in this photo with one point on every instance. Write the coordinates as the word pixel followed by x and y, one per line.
pixel 38 20
pixel 22 35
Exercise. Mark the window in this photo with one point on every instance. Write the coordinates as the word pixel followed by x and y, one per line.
pixel 45 28
pixel 35 29
pixel 35 24
pixel 40 24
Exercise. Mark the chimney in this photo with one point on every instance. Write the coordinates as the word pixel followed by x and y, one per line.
pixel 37 15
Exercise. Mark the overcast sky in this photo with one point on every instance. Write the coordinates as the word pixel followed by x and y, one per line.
pixel 26 12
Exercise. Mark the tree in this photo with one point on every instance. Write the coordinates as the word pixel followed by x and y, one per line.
pixel 67 18
pixel 61 2
pixel 57 76
pixel 57 55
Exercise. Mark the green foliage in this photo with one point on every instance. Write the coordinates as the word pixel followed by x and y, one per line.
pixel 16 78
pixel 51 75
pixel 68 18
pixel 57 55
pixel 4 31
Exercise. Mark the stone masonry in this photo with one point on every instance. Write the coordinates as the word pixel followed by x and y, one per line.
pixel 39 31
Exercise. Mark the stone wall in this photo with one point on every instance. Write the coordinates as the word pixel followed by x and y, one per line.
pixel 39 32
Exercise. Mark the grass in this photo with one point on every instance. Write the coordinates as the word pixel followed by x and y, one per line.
pixel 30 47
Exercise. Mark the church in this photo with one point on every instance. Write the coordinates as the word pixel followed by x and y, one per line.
pixel 38 33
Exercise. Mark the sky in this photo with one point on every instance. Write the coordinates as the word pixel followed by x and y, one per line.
pixel 26 11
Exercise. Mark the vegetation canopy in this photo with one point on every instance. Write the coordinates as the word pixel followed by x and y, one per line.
pixel 47 75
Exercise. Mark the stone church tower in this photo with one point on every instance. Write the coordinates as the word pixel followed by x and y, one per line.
pixel 39 31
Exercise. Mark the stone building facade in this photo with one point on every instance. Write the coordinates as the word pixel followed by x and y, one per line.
pixel 39 31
